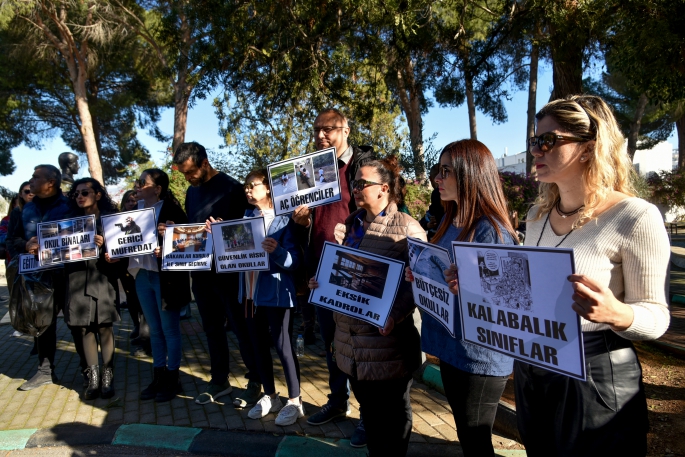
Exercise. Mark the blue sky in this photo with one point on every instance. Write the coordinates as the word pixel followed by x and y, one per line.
pixel 203 127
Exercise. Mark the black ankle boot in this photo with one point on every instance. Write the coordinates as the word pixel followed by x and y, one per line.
pixel 170 386
pixel 107 389
pixel 93 389
pixel 151 391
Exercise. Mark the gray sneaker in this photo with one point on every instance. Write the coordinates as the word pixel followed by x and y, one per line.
pixel 39 379
pixel 213 392
pixel 250 396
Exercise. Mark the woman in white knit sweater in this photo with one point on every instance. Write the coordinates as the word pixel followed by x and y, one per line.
pixel 622 254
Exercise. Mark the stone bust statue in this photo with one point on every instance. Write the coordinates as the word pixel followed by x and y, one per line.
pixel 68 163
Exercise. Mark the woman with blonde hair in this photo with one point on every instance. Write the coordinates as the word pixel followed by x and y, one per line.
pixel 586 202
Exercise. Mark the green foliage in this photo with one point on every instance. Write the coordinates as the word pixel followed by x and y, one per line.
pixel 417 199
pixel 177 182
pixel 641 186
pixel 667 188
pixel 520 191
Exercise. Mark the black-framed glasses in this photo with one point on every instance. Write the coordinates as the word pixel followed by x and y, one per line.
pixel 361 184
pixel 325 129
pixel 252 185
pixel 445 172
pixel 82 193
pixel 546 141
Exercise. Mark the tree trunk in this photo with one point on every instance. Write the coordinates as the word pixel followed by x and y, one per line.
pixel 680 125
pixel 471 104
pixel 86 127
pixel 567 64
pixel 410 101
pixel 635 125
pixel 532 97
pixel 181 97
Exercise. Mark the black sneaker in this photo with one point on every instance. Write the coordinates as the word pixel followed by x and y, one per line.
pixel 38 379
pixel 358 438
pixel 327 414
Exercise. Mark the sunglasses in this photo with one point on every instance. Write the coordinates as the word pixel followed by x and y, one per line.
pixel 546 141
pixel 252 185
pixel 361 184
pixel 82 193
pixel 445 172
pixel 27 191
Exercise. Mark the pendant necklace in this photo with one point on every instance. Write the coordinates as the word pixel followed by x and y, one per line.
pixel 543 231
pixel 564 214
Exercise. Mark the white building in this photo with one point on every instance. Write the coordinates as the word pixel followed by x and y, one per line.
pixel 515 163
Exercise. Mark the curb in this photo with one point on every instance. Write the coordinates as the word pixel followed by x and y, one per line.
pixel 505 420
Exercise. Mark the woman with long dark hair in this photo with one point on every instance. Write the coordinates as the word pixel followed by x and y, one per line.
pixel 380 361
pixel 161 293
pixel 91 290
pixel 475 211
pixel 621 250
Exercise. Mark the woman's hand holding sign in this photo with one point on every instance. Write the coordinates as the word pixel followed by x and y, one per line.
pixel 32 245
pixel 597 303
pixel 99 240
pixel 451 279
pixel 408 275
pixel 209 222
pixel 270 245
pixel 313 283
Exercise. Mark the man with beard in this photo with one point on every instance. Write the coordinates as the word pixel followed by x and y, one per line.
pixel 214 194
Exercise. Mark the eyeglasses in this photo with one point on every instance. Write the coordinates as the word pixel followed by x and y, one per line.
pixel 82 193
pixel 27 191
pixel 252 185
pixel 546 141
pixel 326 130
pixel 444 172
pixel 361 184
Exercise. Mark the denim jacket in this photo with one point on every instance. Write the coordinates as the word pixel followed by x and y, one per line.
pixel 276 287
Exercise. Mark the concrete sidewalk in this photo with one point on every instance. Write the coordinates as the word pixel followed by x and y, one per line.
pixel 51 408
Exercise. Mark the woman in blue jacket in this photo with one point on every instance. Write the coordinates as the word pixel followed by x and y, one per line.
pixel 269 298
pixel 475 211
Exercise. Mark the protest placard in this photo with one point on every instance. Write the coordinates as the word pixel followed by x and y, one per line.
pixel 238 245
pixel 28 263
pixel 357 283
pixel 431 294
pixel 310 179
pixel 516 300
pixel 187 247
pixel 67 240
pixel 130 233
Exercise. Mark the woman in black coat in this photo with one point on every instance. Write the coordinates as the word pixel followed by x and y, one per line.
pixel 162 294
pixel 91 291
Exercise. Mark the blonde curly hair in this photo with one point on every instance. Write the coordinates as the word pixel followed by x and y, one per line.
pixel 608 168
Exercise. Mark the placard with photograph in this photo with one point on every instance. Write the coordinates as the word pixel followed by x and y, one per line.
pixel 67 240
pixel 310 179
pixel 238 245
pixel 357 283
pixel 130 233
pixel 431 293
pixel 516 300
pixel 187 247
pixel 28 263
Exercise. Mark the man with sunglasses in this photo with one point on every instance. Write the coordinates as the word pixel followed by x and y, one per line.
pixel 48 204
pixel 331 129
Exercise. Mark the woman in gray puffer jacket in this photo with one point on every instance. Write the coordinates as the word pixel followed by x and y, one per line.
pixel 380 361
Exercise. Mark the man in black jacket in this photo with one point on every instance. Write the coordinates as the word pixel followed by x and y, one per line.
pixel 331 129
pixel 214 194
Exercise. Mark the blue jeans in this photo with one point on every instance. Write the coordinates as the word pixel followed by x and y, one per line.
pixel 165 326
pixel 337 379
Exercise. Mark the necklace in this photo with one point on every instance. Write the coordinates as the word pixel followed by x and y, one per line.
pixel 567 214
pixel 543 231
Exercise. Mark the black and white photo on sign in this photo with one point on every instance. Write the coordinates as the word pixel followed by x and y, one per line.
pixel 517 300
pixel 130 233
pixel 357 283
pixel 67 240
pixel 187 247
pixel 311 179
pixel 238 245
pixel 431 292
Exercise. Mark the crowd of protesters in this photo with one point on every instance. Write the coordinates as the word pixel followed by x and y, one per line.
pixel 585 202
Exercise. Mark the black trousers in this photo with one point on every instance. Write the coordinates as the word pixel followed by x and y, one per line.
pixel 217 300
pixel 605 415
pixel 387 414
pixel 473 399
pixel 272 324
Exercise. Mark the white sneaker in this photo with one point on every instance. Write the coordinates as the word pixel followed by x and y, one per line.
pixel 290 413
pixel 264 406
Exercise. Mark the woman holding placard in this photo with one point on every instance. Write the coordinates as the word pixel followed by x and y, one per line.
pixel 91 290
pixel 380 361
pixel 269 298
pixel 162 294
pixel 476 211
pixel 621 249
